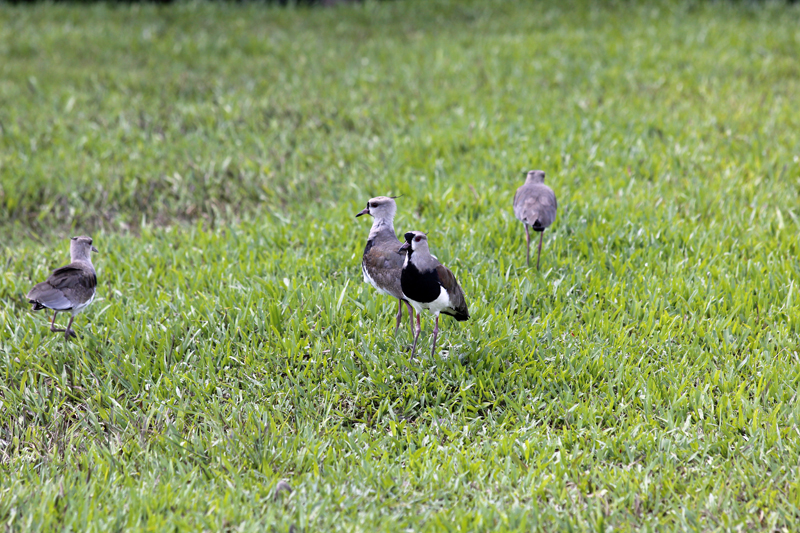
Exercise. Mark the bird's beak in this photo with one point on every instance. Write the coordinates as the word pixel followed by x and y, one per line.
pixel 406 246
pixel 95 250
pixel 364 211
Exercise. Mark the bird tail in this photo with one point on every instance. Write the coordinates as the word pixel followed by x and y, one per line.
pixel 458 314
pixel 537 225
pixel 36 305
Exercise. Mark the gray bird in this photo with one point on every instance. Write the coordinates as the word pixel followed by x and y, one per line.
pixel 428 284
pixel 381 264
pixel 535 206
pixel 69 288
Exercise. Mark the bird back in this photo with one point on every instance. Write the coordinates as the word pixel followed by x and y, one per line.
pixel 535 204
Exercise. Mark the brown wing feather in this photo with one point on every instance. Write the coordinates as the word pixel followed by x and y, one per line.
pixel 73 276
pixel 458 303
pixel 66 287
pixel 384 264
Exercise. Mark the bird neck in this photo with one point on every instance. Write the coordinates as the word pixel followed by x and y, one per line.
pixel 422 259
pixel 382 224
pixel 81 256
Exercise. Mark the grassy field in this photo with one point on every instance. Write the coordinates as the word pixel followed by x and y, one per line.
pixel 646 379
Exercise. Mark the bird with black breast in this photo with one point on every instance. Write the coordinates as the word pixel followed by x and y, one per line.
pixel 428 284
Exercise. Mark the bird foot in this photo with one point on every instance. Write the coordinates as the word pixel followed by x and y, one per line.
pixel 69 333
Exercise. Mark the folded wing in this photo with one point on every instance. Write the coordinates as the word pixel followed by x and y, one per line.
pixel 66 287
pixel 458 304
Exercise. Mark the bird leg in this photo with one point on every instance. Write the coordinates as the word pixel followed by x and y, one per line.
pixel 416 336
pixel 410 315
pixel 435 335
pixel 528 239
pixel 53 327
pixel 541 236
pixel 70 332
pixel 399 314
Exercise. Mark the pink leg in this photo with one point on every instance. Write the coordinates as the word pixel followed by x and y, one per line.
pixel 69 332
pixel 399 314
pixel 541 236
pixel 416 336
pixel 435 335
pixel 528 239
pixel 53 327
pixel 410 315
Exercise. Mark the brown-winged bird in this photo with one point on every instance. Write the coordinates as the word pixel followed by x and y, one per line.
pixel 381 264
pixel 428 284
pixel 69 288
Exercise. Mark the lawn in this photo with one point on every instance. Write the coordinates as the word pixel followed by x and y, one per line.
pixel 645 379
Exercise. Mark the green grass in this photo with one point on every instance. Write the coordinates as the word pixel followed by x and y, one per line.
pixel 645 380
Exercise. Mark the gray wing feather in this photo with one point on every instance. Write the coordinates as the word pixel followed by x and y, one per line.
pixel 48 296
pixel 66 287
pixel 535 201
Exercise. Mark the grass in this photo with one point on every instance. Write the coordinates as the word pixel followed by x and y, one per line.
pixel 646 379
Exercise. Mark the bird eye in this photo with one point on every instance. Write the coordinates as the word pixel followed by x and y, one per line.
pixel 417 238
pixel 74 239
pixel 373 204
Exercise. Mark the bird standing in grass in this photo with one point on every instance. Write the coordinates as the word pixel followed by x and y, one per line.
pixel 69 288
pixel 428 284
pixel 535 206
pixel 381 264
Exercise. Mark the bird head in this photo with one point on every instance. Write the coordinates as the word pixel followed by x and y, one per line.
pixel 380 207
pixel 415 241
pixel 535 176
pixel 81 247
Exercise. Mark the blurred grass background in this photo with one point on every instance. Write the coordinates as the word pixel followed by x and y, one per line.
pixel 645 379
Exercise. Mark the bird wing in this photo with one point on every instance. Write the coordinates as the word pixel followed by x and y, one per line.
pixel 385 265
pixel 48 296
pixel 458 303
pixel 73 275
pixel 67 286
pixel 535 201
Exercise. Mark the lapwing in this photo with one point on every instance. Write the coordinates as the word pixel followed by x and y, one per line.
pixel 381 264
pixel 428 284
pixel 535 206
pixel 69 288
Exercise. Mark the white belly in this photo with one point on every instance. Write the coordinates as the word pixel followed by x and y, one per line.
pixel 441 302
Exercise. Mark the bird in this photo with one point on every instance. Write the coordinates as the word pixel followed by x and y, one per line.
pixel 381 264
pixel 535 206
pixel 69 288
pixel 428 284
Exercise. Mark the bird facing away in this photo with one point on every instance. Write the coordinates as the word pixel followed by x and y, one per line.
pixel 69 288
pixel 381 264
pixel 428 284
pixel 535 206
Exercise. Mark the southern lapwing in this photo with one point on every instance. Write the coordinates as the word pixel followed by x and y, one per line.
pixel 535 206
pixel 381 264
pixel 69 288
pixel 428 284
